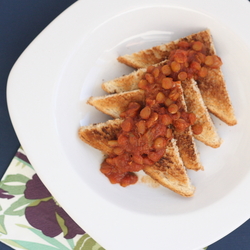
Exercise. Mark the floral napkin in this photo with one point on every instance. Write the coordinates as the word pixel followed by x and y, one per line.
pixel 30 218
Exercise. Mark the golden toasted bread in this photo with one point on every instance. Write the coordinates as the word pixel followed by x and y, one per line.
pixel 212 87
pixel 97 135
pixel 185 140
pixel 193 99
pixel 169 171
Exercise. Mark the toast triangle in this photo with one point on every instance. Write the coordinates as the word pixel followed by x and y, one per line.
pixel 169 171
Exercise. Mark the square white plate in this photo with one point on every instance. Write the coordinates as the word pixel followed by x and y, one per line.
pixel 66 64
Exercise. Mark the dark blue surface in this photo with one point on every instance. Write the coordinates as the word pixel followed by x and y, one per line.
pixel 20 23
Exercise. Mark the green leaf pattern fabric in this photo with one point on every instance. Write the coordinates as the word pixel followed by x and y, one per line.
pixel 18 223
pixel 15 229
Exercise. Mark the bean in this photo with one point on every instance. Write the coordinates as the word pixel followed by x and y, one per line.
pixel 149 78
pixel 167 83
pixel 197 46
pixel 145 113
pixel 159 143
pixel 209 60
pixel 203 72
pixel 166 70
pixel 166 119
pixel 192 118
pixel 173 108
pixel 182 76
pixel 141 127
pixel 127 124
pixel 143 84
pixel 197 129
pixel 175 66
pixel 118 150
pixel 160 97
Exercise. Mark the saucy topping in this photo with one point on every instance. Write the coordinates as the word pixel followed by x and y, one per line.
pixel 146 131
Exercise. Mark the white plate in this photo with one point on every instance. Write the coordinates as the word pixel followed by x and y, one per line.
pixel 47 92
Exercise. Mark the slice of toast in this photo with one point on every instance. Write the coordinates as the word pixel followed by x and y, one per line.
pixel 212 87
pixel 114 104
pixel 169 171
pixel 193 99
pixel 97 135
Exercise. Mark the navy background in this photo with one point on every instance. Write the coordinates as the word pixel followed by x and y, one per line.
pixel 20 23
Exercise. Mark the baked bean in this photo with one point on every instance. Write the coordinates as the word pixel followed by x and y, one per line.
pixel 127 124
pixel 152 119
pixel 147 161
pixel 180 56
pixel 180 125
pixel 118 150
pixel 173 108
pixel 145 112
pixel 166 70
pixel 197 46
pixel 197 129
pixel 176 116
pixel 182 76
pixel 143 84
pixel 195 65
pixel 159 143
pixel 149 78
pixel 128 179
pixel 150 68
pixel 174 94
pixel 209 60
pixel 201 57
pixel 141 127
pixel 113 143
pixel 203 72
pixel 192 118
pixel 106 168
pixel 168 102
pixel 175 66
pixel 156 72
pixel 123 140
pixel 166 119
pixel 183 44
pixel 160 97
pixel 167 83
pixel 169 133
pixel 156 156
pixel 216 62
pixel 138 159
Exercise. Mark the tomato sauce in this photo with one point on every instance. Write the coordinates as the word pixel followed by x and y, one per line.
pixel 146 131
